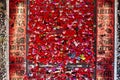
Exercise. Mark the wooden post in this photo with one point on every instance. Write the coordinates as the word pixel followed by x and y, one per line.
pixel 105 40
pixel 17 39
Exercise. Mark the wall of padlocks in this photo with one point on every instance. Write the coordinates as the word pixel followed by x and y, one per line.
pixel 18 39
pixel 61 41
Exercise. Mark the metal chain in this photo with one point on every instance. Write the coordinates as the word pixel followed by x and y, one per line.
pixel 3 41
pixel 118 41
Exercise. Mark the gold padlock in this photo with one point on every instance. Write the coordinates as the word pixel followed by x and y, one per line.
pixel 1 39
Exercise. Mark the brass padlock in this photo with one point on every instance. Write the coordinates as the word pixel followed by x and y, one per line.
pixel 1 39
